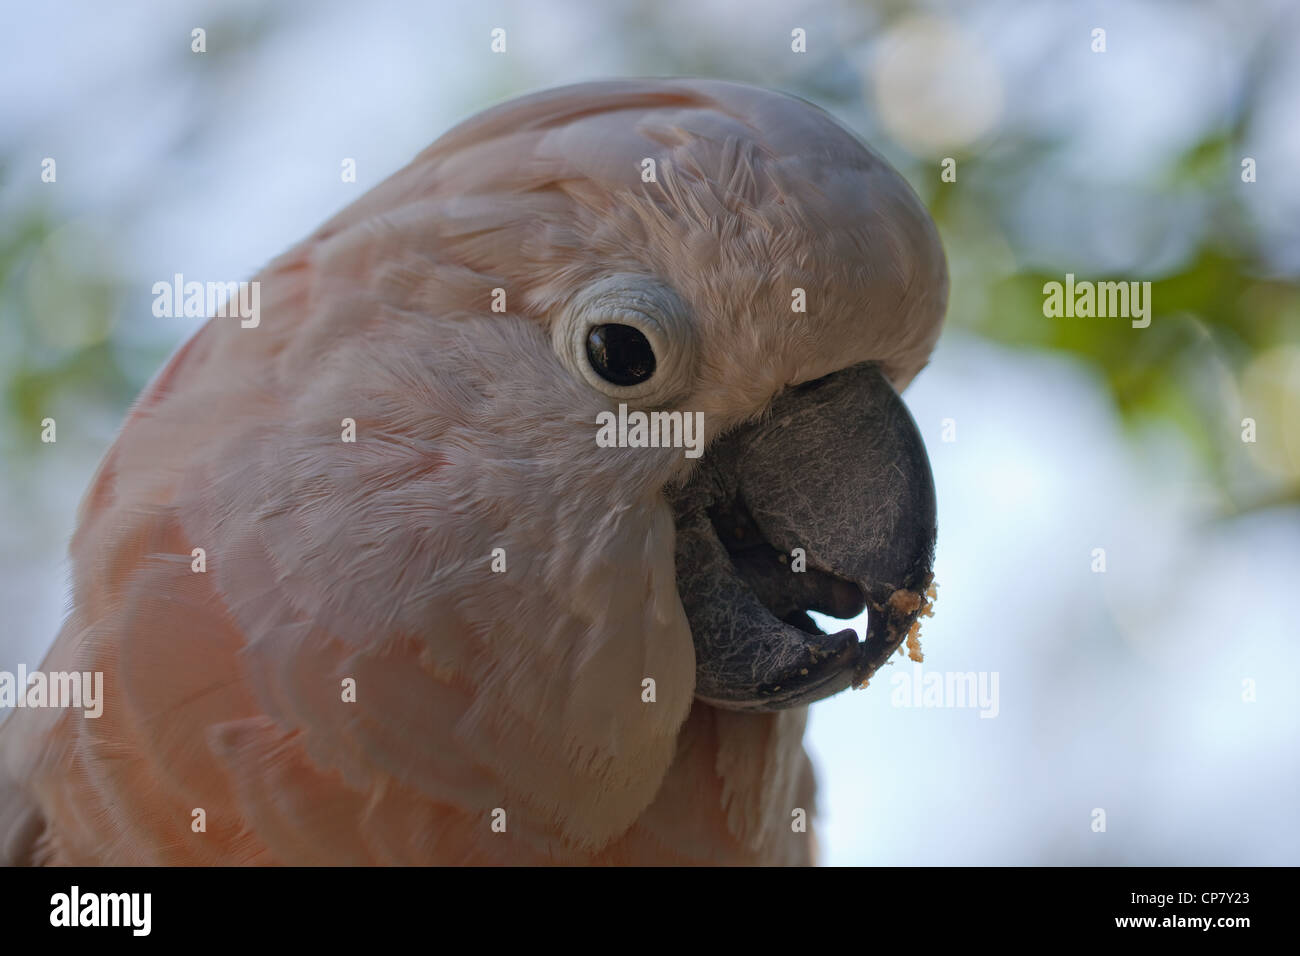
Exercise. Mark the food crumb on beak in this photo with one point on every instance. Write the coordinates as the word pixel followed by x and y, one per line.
pixel 903 603
pixel 908 602
pixel 914 642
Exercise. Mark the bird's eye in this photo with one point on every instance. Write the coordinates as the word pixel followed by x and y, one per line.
pixel 620 354
pixel 629 337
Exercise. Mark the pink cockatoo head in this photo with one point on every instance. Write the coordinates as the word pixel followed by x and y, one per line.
pixel 533 619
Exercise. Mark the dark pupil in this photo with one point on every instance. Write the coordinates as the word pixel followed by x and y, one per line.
pixel 620 354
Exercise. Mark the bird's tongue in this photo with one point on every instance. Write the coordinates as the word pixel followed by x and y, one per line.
pixel 827 504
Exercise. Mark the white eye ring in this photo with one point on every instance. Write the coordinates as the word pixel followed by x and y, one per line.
pixel 650 307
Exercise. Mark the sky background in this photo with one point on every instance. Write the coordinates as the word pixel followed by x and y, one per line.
pixel 1121 690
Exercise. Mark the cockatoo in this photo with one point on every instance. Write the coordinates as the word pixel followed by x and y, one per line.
pixel 469 631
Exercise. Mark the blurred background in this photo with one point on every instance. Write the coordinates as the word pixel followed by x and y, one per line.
pixel 1164 690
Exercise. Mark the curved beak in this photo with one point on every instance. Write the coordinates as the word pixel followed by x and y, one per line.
pixel 827 504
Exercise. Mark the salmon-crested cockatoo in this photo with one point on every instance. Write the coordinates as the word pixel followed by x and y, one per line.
pixel 436 616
